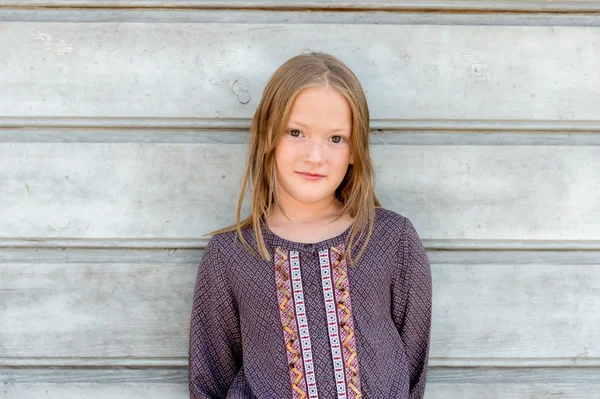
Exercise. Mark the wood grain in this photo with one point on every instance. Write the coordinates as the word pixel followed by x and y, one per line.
pixel 172 383
pixel 190 70
pixel 181 191
pixel 388 5
pixel 132 307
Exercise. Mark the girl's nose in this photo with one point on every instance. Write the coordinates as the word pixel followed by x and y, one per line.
pixel 315 151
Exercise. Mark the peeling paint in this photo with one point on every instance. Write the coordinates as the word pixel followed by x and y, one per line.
pixel 53 44
pixel 480 67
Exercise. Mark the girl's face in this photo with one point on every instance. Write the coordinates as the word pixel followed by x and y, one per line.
pixel 313 154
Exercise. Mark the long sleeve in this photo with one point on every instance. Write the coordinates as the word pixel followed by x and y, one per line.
pixel 215 349
pixel 411 305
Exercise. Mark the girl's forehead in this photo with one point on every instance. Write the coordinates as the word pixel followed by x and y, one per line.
pixel 320 106
pixel 319 94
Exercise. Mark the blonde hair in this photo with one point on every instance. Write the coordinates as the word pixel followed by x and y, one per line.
pixel 356 192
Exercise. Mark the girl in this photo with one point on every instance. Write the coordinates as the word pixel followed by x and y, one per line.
pixel 320 292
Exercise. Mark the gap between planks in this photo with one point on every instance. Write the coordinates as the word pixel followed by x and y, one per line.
pixel 23 362
pixel 533 7
pixel 200 243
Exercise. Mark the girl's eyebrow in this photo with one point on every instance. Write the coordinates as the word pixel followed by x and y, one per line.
pixel 341 129
pixel 298 123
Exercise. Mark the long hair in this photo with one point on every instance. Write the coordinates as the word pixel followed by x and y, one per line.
pixel 356 191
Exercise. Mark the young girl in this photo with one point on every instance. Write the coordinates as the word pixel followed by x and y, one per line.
pixel 320 292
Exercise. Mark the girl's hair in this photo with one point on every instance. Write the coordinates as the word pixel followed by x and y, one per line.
pixel 356 192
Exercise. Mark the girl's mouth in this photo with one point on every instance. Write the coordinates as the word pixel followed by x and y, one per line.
pixel 310 176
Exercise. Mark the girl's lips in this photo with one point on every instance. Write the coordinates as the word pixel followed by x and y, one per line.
pixel 310 177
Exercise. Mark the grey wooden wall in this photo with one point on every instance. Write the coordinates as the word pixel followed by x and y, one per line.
pixel 122 140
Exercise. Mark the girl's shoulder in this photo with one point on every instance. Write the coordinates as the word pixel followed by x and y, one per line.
pixel 388 221
pixel 393 227
pixel 229 242
pixel 396 227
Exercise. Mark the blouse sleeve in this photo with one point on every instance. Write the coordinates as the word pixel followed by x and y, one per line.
pixel 411 306
pixel 215 349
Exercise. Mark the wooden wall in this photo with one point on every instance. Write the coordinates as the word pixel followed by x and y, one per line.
pixel 123 128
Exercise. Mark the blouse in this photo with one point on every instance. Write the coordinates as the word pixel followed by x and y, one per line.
pixel 306 324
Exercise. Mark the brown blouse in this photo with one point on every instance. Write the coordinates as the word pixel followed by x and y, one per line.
pixel 305 325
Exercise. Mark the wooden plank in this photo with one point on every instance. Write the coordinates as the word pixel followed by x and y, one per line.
pixel 93 383
pixel 317 16
pixel 79 310
pixel 93 391
pixel 179 70
pixel 208 125
pixel 502 136
pixel 111 191
pixel 75 306
pixel 515 383
pixel 505 311
pixel 464 5
pixel 441 383
pixel 132 308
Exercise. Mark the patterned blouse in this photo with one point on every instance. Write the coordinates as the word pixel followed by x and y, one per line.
pixel 305 325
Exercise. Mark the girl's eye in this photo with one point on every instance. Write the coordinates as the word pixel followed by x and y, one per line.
pixel 294 133
pixel 337 139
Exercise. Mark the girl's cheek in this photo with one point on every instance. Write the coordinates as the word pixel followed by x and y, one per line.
pixel 288 147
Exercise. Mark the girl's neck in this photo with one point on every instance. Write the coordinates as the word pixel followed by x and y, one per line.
pixel 307 213
pixel 310 222
pixel 302 213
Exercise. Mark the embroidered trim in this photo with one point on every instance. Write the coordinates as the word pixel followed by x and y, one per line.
pixel 303 325
pixel 342 295
pixel 332 323
pixel 340 322
pixel 292 312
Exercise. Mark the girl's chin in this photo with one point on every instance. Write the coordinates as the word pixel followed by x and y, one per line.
pixel 311 199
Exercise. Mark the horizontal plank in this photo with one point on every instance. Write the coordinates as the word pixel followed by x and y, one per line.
pixel 303 16
pixel 437 72
pixel 132 307
pixel 506 311
pixel 407 135
pixel 173 244
pixel 510 384
pixel 192 256
pixel 441 383
pixel 80 310
pixel 478 5
pixel 112 191
pixel 93 383
pixel 75 125
pixel 178 361
pixel 104 376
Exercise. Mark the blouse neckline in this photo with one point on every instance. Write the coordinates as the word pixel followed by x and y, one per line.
pixel 277 241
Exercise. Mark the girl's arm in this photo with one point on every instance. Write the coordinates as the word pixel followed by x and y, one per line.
pixel 215 348
pixel 411 306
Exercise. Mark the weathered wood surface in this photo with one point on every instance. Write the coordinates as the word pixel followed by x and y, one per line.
pixel 120 102
pixel 208 70
pixel 132 307
pixel 96 304
pixel 278 16
pixel 93 383
pixel 408 135
pixel 182 191
pixel 441 383
pixel 390 5
pixel 513 383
